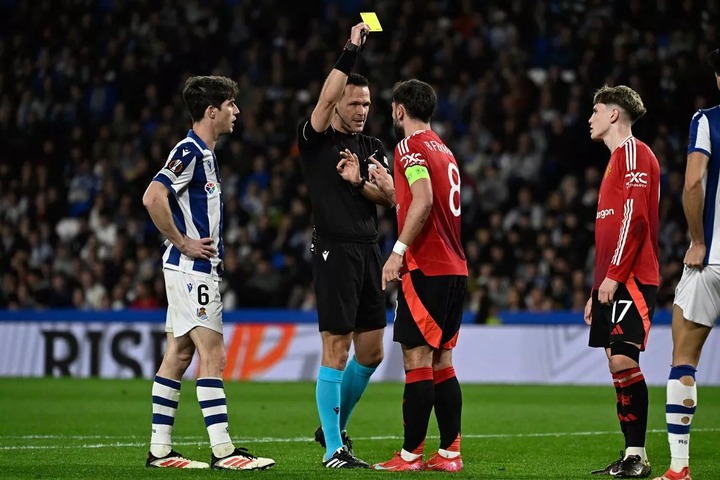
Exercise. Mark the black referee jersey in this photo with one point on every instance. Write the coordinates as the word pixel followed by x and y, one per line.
pixel 340 211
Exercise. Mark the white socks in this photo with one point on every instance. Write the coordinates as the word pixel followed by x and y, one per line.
pixel 165 399
pixel 679 412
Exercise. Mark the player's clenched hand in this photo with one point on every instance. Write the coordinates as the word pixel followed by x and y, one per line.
pixel 349 167
pixel 607 291
pixel 588 311
pixel 391 270
pixel 194 248
pixel 695 256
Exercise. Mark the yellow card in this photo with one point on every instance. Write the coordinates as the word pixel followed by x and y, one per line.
pixel 372 21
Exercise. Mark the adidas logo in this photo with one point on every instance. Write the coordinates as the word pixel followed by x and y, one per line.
pixel 617 330
pixel 335 463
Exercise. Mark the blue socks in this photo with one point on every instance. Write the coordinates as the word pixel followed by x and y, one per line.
pixel 327 396
pixel 336 394
pixel 354 382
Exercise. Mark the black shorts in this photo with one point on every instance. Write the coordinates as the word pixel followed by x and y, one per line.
pixel 348 286
pixel 429 310
pixel 627 319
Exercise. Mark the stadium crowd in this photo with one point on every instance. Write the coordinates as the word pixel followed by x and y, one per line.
pixel 90 106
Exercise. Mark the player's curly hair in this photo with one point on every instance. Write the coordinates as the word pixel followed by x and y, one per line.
pixel 418 98
pixel 624 97
pixel 201 92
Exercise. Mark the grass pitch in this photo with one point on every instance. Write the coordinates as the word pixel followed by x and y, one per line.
pixel 99 429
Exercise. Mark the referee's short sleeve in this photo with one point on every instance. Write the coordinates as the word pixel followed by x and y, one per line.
pixel 307 136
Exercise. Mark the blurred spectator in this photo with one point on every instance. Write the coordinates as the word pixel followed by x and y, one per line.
pixel 145 297
pixel 87 108
pixel 95 293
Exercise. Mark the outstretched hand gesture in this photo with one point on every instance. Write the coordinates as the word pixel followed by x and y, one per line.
pixel 380 177
pixel 349 167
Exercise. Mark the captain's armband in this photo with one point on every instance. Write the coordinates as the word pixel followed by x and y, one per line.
pixel 415 173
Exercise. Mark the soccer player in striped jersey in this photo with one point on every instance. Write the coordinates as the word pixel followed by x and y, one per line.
pixel 184 201
pixel 697 306
pixel 627 272
pixel 429 261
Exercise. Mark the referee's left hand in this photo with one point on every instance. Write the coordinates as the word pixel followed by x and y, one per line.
pixel 349 167
pixel 379 175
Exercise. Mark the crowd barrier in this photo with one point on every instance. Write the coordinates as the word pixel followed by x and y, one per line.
pixel 281 345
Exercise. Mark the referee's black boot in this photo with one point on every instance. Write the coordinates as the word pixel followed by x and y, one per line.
pixel 344 459
pixel 347 441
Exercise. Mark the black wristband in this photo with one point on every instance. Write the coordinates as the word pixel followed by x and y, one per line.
pixel 351 47
pixel 347 59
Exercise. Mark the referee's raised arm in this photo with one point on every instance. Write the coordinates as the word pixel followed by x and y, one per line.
pixel 334 84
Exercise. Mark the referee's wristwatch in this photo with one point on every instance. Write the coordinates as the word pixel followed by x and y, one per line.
pixel 360 185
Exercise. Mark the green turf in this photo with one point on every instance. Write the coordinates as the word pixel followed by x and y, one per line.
pixel 97 429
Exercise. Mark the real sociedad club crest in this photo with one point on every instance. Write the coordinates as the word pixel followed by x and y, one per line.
pixel 201 313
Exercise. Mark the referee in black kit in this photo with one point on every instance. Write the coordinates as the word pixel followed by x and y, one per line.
pixel 334 155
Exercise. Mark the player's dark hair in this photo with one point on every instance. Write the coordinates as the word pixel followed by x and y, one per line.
pixel 201 92
pixel 418 98
pixel 357 80
pixel 624 97
pixel 714 60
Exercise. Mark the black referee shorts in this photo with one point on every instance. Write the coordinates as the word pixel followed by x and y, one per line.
pixel 348 287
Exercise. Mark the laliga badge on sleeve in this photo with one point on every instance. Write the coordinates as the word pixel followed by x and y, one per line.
pixel 372 21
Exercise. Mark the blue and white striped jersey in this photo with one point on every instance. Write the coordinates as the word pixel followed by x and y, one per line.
pixel 191 174
pixel 705 138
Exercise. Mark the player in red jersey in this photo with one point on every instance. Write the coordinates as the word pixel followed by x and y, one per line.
pixel 429 261
pixel 622 303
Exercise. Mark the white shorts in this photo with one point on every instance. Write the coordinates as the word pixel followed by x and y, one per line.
pixel 193 301
pixel 698 294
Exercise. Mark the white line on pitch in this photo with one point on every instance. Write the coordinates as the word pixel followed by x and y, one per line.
pixel 201 441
